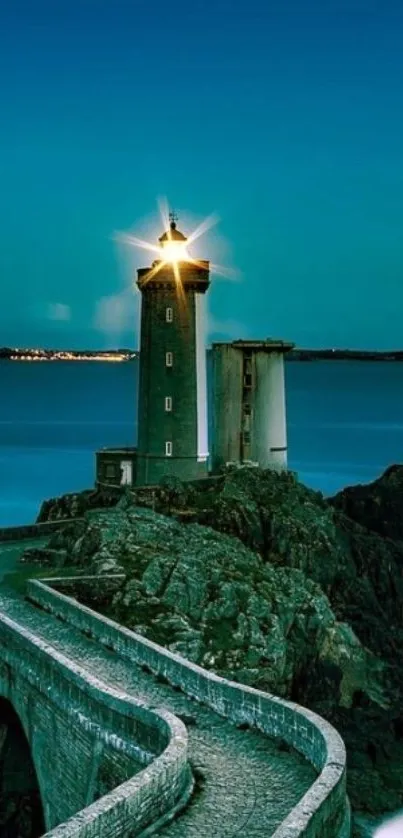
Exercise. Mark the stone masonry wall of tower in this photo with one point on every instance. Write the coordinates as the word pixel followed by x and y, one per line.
pixel 176 380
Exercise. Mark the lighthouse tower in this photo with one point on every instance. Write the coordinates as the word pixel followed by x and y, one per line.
pixel 172 403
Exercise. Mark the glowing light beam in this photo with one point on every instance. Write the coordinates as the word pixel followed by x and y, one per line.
pixel 172 251
pixel 205 225
pixel 125 238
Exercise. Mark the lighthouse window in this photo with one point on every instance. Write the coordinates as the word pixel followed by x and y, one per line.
pixel 169 359
pixel 169 314
pixel 168 403
pixel 168 449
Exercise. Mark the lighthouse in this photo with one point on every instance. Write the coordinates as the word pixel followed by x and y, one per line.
pixel 172 398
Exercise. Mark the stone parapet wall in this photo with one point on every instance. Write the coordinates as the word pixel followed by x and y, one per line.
pixel 76 723
pixel 323 812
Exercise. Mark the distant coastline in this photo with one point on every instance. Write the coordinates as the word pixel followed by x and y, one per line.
pixel 344 355
pixel 121 355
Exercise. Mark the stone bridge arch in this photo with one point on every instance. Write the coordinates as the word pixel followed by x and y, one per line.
pixel 21 810
pixel 89 741
pixel 68 749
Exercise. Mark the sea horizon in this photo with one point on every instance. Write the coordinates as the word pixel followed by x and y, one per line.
pixel 345 426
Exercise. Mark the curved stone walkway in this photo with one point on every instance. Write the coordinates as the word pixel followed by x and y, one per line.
pixel 245 785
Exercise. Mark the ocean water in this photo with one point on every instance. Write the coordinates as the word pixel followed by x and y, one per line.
pixel 345 425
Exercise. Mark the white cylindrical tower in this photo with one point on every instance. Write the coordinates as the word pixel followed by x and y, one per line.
pixel 249 413
pixel 269 439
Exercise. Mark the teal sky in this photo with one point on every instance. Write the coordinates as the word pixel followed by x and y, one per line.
pixel 284 118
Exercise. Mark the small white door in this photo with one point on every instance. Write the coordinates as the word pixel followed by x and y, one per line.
pixel 126 472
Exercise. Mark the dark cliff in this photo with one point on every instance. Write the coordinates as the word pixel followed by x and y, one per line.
pixel 378 506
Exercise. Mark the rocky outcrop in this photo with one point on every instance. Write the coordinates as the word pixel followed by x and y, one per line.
pixel 76 504
pixel 378 506
pixel 261 579
pixel 212 599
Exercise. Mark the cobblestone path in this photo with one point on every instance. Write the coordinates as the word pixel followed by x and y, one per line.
pixel 245 785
